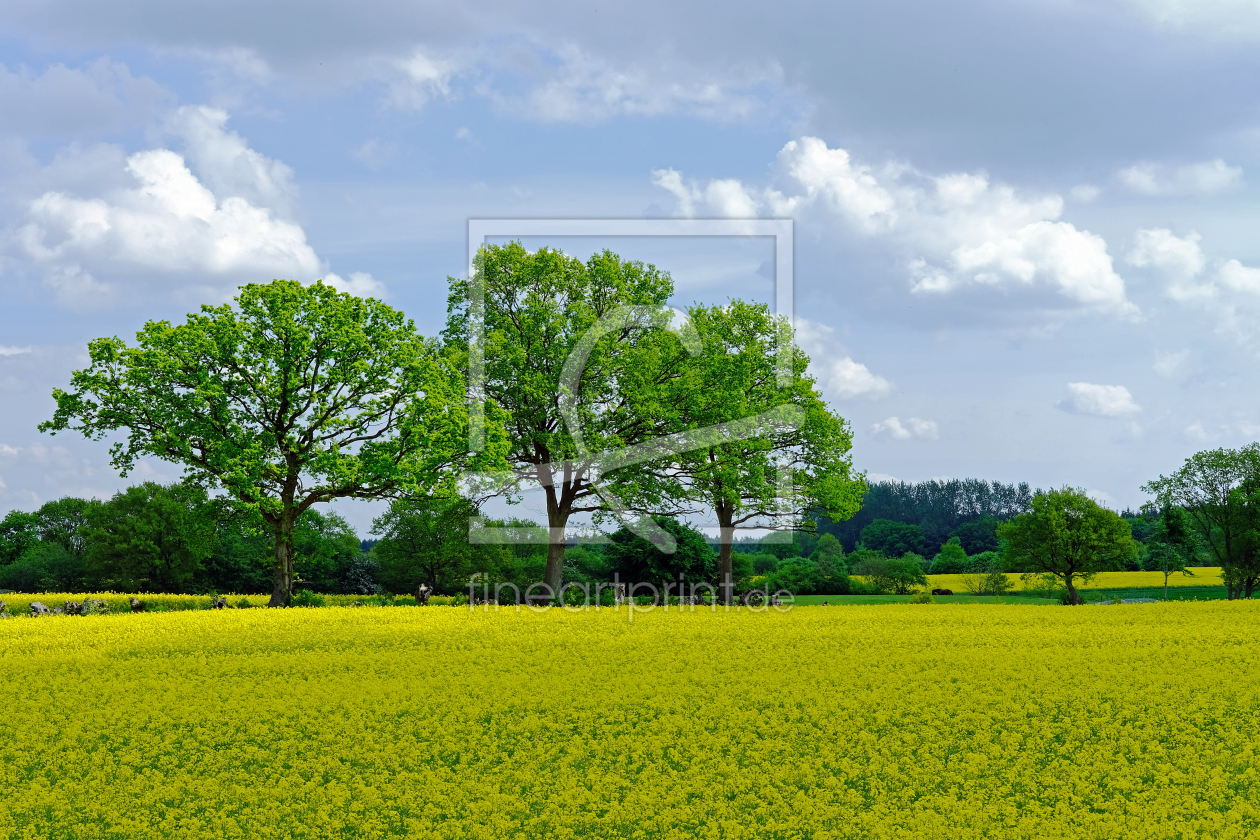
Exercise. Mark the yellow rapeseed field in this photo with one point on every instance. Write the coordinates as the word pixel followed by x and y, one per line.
pixel 1202 576
pixel 936 721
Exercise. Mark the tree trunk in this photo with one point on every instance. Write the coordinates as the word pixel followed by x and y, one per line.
pixel 282 589
pixel 1165 586
pixel 1074 597
pixel 557 519
pixel 554 577
pixel 726 577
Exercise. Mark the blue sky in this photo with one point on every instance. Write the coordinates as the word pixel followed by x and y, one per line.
pixel 1025 231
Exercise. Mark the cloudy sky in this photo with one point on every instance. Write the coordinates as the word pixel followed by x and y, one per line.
pixel 1025 230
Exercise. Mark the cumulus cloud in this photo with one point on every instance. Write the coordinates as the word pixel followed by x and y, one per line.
pixel 959 229
pixel 1227 289
pixel 837 374
pixel 913 427
pixel 1099 400
pixel 1204 178
pixel 158 220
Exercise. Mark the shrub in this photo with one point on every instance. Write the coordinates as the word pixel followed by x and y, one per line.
pixel 922 598
pixel 307 598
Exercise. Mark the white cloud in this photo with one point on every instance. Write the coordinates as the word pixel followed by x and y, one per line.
pixel 1168 364
pixel 1204 178
pixel 225 163
pixel 565 83
pixel 1085 193
pixel 847 379
pixel 1099 400
pixel 959 229
pixel 13 351
pixel 913 427
pixel 150 219
pixel 584 88
pixel 1229 290
pixel 422 77
pixel 1239 277
pixel 1162 249
pixel 837 374
pixel 359 284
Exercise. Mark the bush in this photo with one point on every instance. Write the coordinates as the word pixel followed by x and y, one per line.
pixel 307 598
pixel 922 598
pixel 952 560
pixel 900 575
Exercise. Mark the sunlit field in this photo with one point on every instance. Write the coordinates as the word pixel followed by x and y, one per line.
pixel 881 721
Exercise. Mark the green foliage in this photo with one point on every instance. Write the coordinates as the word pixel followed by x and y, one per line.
pixel 1068 535
pixel 899 576
pixel 537 310
pixel 1219 491
pixel 635 559
pixel 797 575
pixel 45 567
pixel 149 538
pixel 978 535
pixel 1171 545
pixel 296 396
pixel 763 564
pixel 328 555
pixel 19 532
pixel 426 540
pixel 938 507
pixel 828 556
pixel 924 597
pixel 307 598
pixel 952 559
pixel 893 539
pixel 985 562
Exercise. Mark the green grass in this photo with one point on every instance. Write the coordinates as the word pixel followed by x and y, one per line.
pixel 1175 593
pixel 839 600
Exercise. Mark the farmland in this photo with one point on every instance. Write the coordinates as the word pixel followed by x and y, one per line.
pixel 941 721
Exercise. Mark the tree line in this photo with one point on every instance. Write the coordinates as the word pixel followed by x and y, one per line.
pixel 582 381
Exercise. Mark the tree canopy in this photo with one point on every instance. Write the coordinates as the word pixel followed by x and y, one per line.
pixel 1069 535
pixel 1219 489
pixel 295 396
pixel 757 444
pixel 576 353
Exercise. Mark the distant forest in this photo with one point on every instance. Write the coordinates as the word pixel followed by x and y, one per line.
pixel 940 509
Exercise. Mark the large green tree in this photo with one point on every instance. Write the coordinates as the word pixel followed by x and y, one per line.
pixel 1219 489
pixel 574 353
pixel 756 444
pixel 1068 535
pixel 295 396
